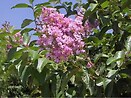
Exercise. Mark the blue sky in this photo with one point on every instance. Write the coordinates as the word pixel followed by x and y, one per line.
pixel 16 16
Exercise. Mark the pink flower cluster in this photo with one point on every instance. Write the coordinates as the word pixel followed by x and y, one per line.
pixel 60 35
pixel 17 39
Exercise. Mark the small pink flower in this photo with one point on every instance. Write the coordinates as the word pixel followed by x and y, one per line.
pixel 9 46
pixel 89 64
pixel 17 39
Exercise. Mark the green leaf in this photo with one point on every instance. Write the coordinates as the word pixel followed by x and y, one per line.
pixel 121 56
pixel 59 6
pixel 31 1
pixel 95 40
pixel 32 43
pixel 26 22
pixel 26 72
pixel 112 60
pixel 105 4
pixel 37 12
pixel 21 5
pixel 67 78
pixel 111 73
pixel 103 31
pixel 43 52
pixel 11 53
pixel 75 6
pixel 41 5
pixel 54 1
pixel 55 85
pixel 3 54
pixel 26 30
pixel 109 89
pixel 85 6
pixel 100 70
pixel 16 31
pixel 23 63
pixel 128 44
pixel 4 34
pixel 118 58
pixel 38 76
pixel 103 81
pixel 86 15
pixel 26 38
pixel 93 6
pixel 106 81
pixel 88 82
pixel 19 52
pixel 98 56
pixel 41 63
pixel 34 54
pixel 11 70
pixel 99 81
pixel 21 68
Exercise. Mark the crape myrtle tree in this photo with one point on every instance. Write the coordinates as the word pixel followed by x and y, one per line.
pixel 85 52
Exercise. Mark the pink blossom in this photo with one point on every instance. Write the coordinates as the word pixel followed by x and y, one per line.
pixel 62 36
pixel 17 39
pixel 9 46
pixel 89 64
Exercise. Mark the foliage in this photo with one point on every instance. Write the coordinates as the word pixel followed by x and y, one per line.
pixel 104 70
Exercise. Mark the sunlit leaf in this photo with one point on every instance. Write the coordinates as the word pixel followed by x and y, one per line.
pixel 26 22
pixel 112 60
pixel 25 74
pixel 26 30
pixel 120 55
pixel 98 56
pixel 128 44
pixel 31 1
pixel 21 5
pixel 93 6
pixel 54 1
pixel 34 54
pixel 26 38
pixel 111 73
pixel 41 63
pixel 105 4
pixel 42 5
